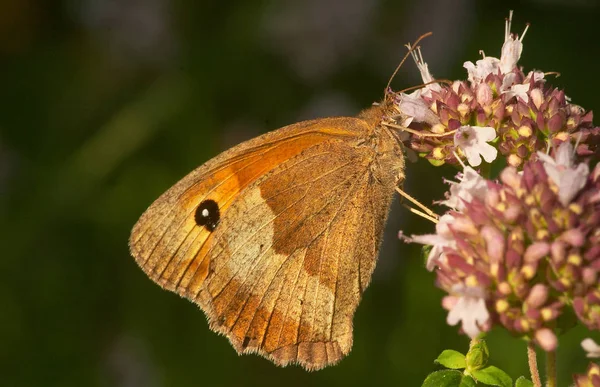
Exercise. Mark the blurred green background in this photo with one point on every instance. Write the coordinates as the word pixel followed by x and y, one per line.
pixel 107 103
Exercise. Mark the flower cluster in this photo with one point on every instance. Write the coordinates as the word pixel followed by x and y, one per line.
pixel 517 112
pixel 523 250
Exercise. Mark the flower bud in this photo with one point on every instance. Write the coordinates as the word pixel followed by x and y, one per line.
pixel 484 94
pixel 546 339
pixel 536 251
pixel 494 241
pixel 574 237
pixel 510 177
pixel 537 296
pixel 478 355
pixel 558 252
pixel 589 276
pixel 537 97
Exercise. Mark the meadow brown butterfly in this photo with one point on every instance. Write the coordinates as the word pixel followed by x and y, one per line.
pixel 276 239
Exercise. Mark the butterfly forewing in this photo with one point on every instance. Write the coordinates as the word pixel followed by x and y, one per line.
pixel 164 232
pixel 300 216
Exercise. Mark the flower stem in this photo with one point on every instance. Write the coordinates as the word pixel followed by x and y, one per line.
pixel 551 369
pixel 533 367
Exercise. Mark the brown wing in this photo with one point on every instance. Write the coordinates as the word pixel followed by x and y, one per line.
pixel 283 271
pixel 161 237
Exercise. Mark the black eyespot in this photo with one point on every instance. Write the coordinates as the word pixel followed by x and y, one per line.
pixel 208 215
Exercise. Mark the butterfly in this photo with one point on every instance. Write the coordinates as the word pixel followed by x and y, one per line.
pixel 276 238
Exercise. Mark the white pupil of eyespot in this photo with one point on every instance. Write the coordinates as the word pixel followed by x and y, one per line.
pixel 205 213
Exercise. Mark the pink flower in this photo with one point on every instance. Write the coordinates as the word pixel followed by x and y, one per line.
pixel 441 239
pixel 569 178
pixel 522 250
pixel 471 185
pixel 469 308
pixel 508 253
pixel 524 112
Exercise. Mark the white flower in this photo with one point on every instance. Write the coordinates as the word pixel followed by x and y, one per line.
pixel 483 67
pixel 568 177
pixel 507 82
pixel 471 185
pixel 512 47
pixel 510 88
pixel 510 55
pixel 412 105
pixel 469 308
pixel 473 141
pixel 426 76
pixel 422 66
pixel 416 109
pixel 590 346
pixel 442 238
pixel 536 75
pixel 518 91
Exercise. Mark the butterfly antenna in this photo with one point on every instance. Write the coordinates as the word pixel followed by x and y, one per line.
pixel 425 213
pixel 413 47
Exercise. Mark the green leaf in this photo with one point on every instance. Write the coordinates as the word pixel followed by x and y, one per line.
pixel 444 378
pixel 467 381
pixel 451 359
pixel 493 376
pixel 523 382
pixel 449 378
